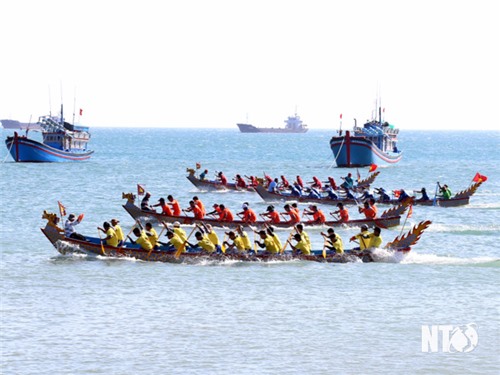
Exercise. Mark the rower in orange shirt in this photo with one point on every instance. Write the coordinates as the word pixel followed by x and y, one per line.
pixel 274 216
pixel 368 210
pixel 176 208
pixel 222 178
pixel 165 209
pixel 240 182
pixel 225 214
pixel 373 206
pixel 200 204
pixel 198 214
pixel 317 214
pixel 294 216
pixel 249 215
pixel 342 212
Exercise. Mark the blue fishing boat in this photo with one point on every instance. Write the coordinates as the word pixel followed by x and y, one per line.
pixel 61 141
pixel 374 143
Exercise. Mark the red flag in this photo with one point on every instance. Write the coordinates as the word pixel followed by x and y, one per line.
pixel 372 168
pixel 81 112
pixel 341 116
pixel 198 165
pixel 479 178
pixel 410 210
pixel 62 209
pixel 140 189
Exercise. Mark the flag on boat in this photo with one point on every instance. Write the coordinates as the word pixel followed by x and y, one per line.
pixel 62 209
pixel 140 189
pixel 198 165
pixel 479 178
pixel 373 167
pixel 81 112
pixel 341 116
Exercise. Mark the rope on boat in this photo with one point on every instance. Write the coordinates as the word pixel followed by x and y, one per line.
pixel 8 153
pixel 338 153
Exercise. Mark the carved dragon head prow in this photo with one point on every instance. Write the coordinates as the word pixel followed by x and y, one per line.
pixel 49 216
pixel 398 210
pixel 409 239
pixel 469 191
pixel 129 197
pixel 369 180
pixel 190 171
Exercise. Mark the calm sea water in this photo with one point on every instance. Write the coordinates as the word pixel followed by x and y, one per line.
pixel 81 315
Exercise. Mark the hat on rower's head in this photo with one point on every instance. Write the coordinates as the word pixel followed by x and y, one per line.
pixel 364 227
pixel 71 216
pixel 177 224
pixel 244 206
pixel 114 221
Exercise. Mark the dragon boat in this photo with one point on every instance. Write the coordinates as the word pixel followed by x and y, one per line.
pixel 93 246
pixel 283 195
pixel 214 185
pixel 389 218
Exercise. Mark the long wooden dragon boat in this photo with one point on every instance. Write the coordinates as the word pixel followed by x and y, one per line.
pixel 94 246
pixel 460 199
pixel 389 218
pixel 214 185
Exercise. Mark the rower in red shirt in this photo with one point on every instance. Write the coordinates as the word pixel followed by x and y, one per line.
pixel 200 204
pixel 317 214
pixel 369 212
pixel 225 214
pixel 294 216
pixel 198 214
pixel 274 216
pixel 249 215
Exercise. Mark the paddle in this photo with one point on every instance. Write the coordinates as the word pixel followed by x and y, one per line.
pixel 183 245
pixel 100 240
pixel 287 241
pixel 128 235
pixel 434 202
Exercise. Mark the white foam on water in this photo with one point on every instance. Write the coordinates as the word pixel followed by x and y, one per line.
pixel 416 258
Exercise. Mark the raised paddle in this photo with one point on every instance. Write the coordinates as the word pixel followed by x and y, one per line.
pixel 287 241
pixel 183 245
pixel 100 241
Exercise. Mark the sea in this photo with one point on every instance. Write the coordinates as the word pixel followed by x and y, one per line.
pixel 435 311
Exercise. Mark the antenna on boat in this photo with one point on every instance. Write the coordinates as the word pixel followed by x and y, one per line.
pixel 74 106
pixel 50 104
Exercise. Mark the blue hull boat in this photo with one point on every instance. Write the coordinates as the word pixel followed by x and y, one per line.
pixel 61 142
pixel 374 143
pixel 23 149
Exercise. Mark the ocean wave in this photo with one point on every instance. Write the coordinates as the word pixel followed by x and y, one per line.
pixel 416 258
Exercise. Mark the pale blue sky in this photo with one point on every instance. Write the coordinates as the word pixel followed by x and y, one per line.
pixel 213 63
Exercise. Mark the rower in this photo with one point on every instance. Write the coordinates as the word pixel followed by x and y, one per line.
pixel 142 239
pixel 375 238
pixel 200 204
pixel 301 245
pixel 111 238
pixel 300 182
pixel 222 179
pixel 317 184
pixel 300 230
pixel 152 235
pixel 317 214
pixel 367 210
pixel 284 182
pixel 204 243
pixel 249 215
pixel 203 174
pixel 198 214
pixel 240 182
pixel 363 237
pixel 145 203
pixel 179 231
pixel 342 212
pixel 445 191
pixel 174 241
pixel 212 235
pixel 273 186
pixel 274 216
pixel 268 243
pixel 216 210
pixel 274 236
pixel 165 208
pixel 334 241
pixel 225 214
pixel 176 208
pixel 348 182
pixel 424 196
pixel 237 244
pixel 296 190
pixel 115 223
pixel 373 205
pixel 294 216
pixel 245 238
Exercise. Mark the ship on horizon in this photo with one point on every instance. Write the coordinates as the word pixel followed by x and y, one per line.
pixel 293 124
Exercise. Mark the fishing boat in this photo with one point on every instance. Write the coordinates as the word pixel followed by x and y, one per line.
pixel 214 185
pixel 293 124
pixel 94 246
pixel 374 143
pixel 61 141
pixel 389 218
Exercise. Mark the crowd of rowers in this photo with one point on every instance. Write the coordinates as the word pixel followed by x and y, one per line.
pixel 234 242
pixel 291 214
pixel 316 188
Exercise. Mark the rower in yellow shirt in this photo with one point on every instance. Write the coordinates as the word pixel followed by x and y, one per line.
pixel 363 238
pixel 301 245
pixel 204 243
pixel 333 241
pixel 238 243
pixel 179 231
pixel 174 241
pixel 115 223
pixel 142 239
pixel 375 238
pixel 268 243
pixel 244 237
pixel 152 235
pixel 111 238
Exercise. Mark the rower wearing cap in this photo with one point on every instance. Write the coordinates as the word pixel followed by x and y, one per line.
pixel 274 216
pixel 179 231
pixel 115 223
pixel 176 208
pixel 165 208
pixel 363 237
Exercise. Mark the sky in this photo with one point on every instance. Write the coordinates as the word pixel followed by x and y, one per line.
pixel 434 64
